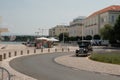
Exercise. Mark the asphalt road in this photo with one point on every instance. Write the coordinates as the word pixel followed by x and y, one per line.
pixel 43 67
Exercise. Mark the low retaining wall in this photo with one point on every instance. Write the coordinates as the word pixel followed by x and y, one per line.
pixel 7 55
pixel 12 53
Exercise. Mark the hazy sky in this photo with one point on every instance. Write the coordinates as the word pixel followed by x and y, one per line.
pixel 27 16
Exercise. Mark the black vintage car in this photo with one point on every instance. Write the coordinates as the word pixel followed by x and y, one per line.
pixel 84 48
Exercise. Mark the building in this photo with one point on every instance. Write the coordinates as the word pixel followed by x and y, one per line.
pixel 2 29
pixel 57 30
pixel 76 27
pixel 97 20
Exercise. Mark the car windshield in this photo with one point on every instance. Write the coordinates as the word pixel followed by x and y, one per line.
pixel 83 44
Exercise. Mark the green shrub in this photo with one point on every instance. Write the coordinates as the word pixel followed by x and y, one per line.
pixel 107 57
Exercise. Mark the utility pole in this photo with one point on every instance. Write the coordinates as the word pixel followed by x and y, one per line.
pixel 42 31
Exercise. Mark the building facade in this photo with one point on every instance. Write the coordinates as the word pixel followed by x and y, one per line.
pixel 2 29
pixel 97 20
pixel 76 27
pixel 57 30
pixel 90 25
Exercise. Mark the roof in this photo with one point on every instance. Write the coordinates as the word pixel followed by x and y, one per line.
pixel 110 8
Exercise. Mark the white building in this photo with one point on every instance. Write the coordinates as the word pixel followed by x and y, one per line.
pixel 97 20
pixel 57 30
pixel 76 27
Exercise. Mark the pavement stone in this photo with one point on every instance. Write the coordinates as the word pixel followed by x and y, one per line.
pixel 84 63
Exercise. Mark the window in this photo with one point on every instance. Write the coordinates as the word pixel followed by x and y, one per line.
pixel 92 32
pixel 112 18
pixel 102 20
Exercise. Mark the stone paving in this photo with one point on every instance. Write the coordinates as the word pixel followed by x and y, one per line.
pixel 84 63
pixel 12 48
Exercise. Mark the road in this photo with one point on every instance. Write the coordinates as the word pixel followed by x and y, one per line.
pixel 43 67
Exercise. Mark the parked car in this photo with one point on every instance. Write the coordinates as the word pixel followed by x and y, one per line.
pixel 84 48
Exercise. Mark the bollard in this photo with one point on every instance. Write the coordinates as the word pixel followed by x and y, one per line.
pixel 4 56
pixel 62 50
pixel 68 50
pixel 55 50
pixel 15 53
pixel 41 50
pixel 0 57
pixel 34 50
pixel 28 51
pixel 48 50
pixel 21 52
pixel 9 54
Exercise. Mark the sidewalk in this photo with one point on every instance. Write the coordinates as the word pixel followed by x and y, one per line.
pixel 16 75
pixel 12 48
pixel 5 63
pixel 83 63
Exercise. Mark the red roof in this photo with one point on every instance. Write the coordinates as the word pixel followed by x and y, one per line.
pixel 110 8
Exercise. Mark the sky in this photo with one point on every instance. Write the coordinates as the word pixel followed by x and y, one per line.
pixel 31 16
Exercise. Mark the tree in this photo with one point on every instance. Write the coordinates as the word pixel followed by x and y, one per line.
pixel 96 37
pixel 107 33
pixel 6 38
pixel 117 29
pixel 65 35
pixel 88 37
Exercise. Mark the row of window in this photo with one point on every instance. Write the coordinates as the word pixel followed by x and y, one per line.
pixel 76 25
pixel 91 25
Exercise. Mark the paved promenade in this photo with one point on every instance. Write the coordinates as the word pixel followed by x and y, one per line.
pixel 16 52
pixel 83 63
pixel 5 63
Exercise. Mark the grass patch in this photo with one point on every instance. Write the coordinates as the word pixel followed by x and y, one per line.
pixel 107 57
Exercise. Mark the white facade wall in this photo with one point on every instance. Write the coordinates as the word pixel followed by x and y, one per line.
pixel 94 23
pixel 113 17
pixel 108 18
pixel 91 25
pixel 75 31
pixel 76 27
pixel 104 19
pixel 57 30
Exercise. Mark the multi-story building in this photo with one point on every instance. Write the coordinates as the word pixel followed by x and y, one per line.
pixel 57 30
pixel 76 27
pixel 97 20
pixel 1 27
